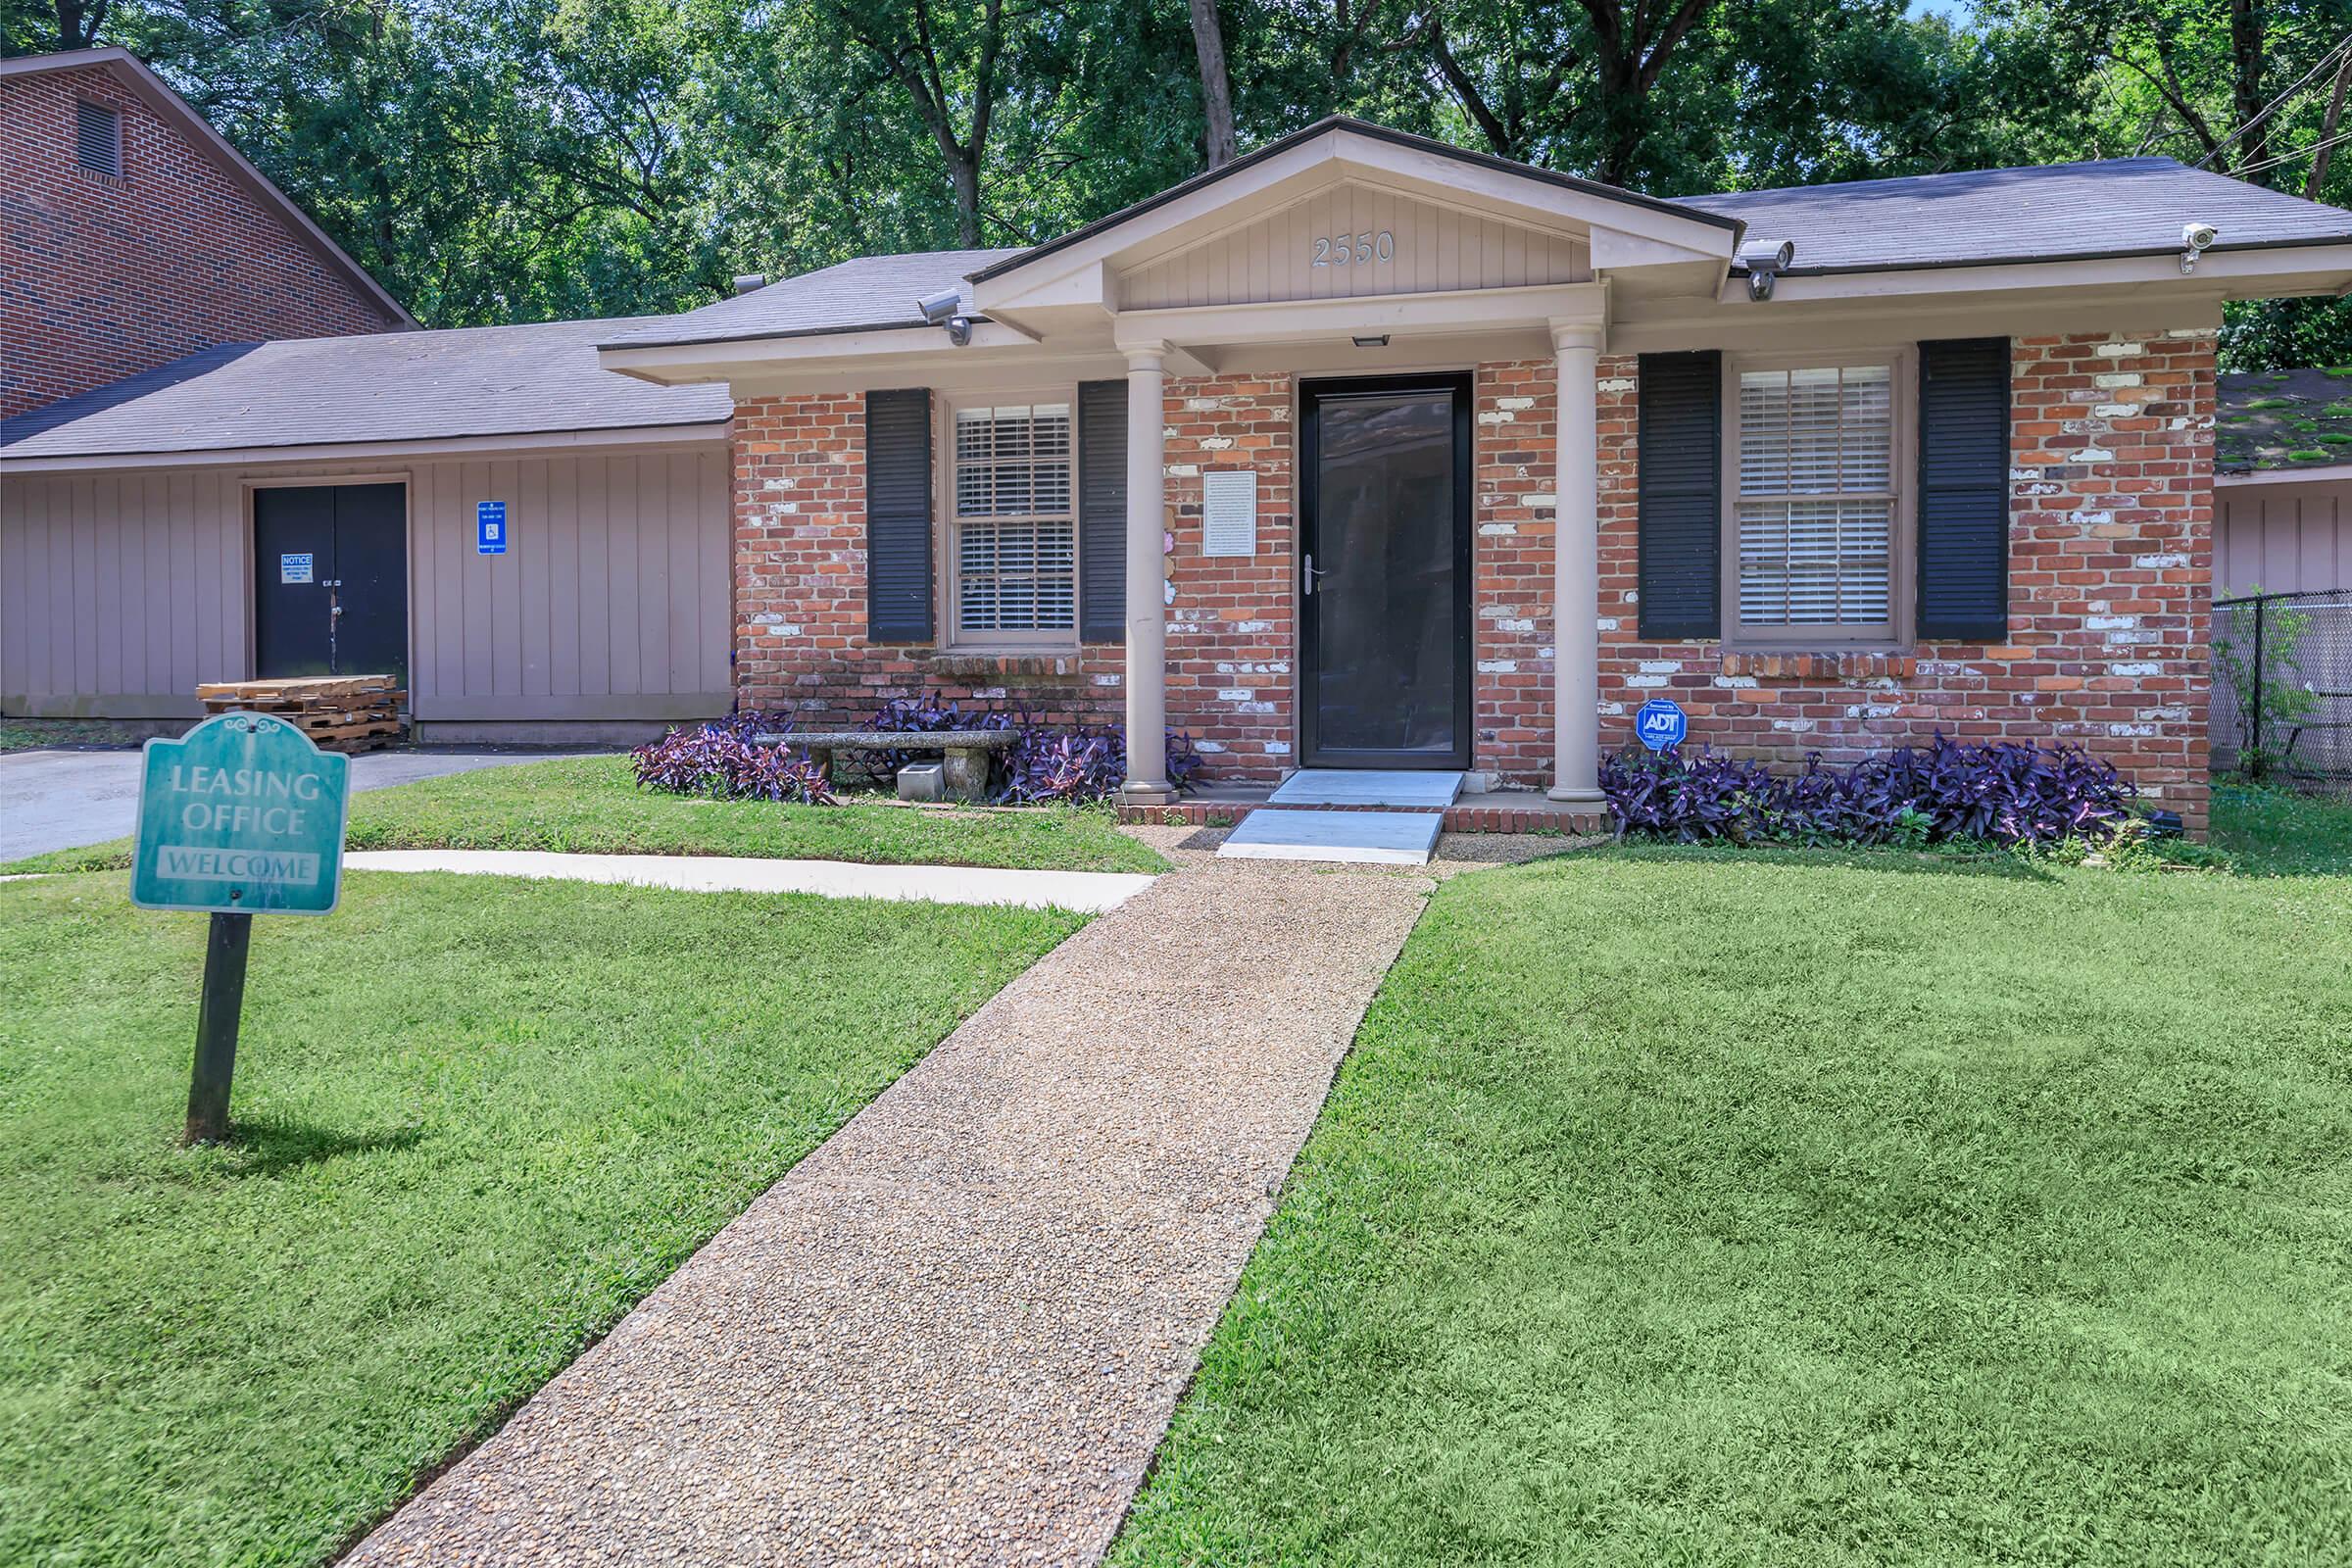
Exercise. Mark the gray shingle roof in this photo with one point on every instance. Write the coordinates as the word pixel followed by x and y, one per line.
pixel 869 293
pixel 2059 212
pixel 2298 419
pixel 395 387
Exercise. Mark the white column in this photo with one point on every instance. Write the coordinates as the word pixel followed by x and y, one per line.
pixel 1146 578
pixel 1576 572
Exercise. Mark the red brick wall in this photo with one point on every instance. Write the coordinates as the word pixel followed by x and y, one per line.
pixel 105 277
pixel 2110 559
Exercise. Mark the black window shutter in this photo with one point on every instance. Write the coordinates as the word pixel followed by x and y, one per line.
pixel 1964 489
pixel 1678 445
pixel 1103 512
pixel 897 516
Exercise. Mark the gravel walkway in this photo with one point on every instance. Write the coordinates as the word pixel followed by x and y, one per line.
pixel 955 1334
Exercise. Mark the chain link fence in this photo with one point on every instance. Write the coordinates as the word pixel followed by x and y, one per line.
pixel 2283 688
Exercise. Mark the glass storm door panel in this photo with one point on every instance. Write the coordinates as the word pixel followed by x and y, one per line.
pixel 1385 610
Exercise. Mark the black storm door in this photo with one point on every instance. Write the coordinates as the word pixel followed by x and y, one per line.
pixel 331 592
pixel 1385 572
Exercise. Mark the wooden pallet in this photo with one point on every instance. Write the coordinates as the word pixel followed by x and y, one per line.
pixel 338 712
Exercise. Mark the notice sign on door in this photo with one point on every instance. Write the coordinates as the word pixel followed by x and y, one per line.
pixel 241 815
pixel 490 528
pixel 294 568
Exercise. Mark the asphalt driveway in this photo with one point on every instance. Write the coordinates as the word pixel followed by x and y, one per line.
pixel 63 800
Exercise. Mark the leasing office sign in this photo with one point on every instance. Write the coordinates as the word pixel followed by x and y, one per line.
pixel 241 815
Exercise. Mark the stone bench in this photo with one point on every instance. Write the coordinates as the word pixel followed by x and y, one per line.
pixel 967 750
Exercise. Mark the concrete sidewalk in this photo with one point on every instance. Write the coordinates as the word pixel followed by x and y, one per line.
pixel 955 1334
pixel 1087 892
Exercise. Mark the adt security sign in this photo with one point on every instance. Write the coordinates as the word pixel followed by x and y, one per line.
pixel 240 816
pixel 1661 723
pixel 490 528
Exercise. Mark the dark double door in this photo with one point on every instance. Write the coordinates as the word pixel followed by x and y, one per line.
pixel 1385 633
pixel 331 591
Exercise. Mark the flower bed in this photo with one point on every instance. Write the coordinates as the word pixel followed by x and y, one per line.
pixel 2000 794
pixel 720 759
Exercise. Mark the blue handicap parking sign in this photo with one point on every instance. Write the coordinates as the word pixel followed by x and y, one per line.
pixel 1661 723
pixel 490 528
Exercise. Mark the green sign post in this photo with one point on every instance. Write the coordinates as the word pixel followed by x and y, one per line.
pixel 240 816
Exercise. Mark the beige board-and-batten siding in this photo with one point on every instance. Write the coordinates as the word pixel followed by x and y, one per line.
pixel 1398 244
pixel 609 615
pixel 2279 536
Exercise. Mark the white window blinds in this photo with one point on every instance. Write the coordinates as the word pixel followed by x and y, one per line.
pixel 1816 506
pixel 1016 553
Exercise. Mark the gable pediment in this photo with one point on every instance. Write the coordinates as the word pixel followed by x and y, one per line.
pixel 1356 241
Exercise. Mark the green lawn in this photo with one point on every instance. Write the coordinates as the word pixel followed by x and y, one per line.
pixel 2281 833
pixel 34 735
pixel 479 1118
pixel 592 805
pixel 1771 1208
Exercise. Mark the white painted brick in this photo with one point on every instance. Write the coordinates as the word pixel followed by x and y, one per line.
pixel 1108 681
pixel 2094 519
pixel 1208 748
pixel 1793 726
pixel 1615 384
pixel 2119 350
pixel 1205 405
pixel 1499 667
pixel 2109 622
pixel 1184 471
pixel 2123 731
pixel 1217 443
pixel 1497 417
pixel 2163 563
pixel 2116 411
pixel 1497 530
pixel 1607 709
pixel 2025 473
pixel 1645 682
pixel 1236 694
pixel 1278 748
pixel 2168 713
pixel 1606 623
pixel 1661 666
pixel 1515 623
pixel 2135 670
pixel 2094 453
pixel 1736 682
pixel 1515 403
pixel 1253 708
pixel 1246 627
pixel 1539 501
pixel 2116 378
pixel 1872 711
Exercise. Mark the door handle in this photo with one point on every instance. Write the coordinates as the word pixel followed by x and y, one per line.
pixel 1308 574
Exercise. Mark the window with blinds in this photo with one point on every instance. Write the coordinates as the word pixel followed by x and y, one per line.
pixel 1016 530
pixel 1815 514
pixel 97 138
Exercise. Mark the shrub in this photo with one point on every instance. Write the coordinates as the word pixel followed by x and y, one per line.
pixel 1083 764
pixel 719 759
pixel 2003 794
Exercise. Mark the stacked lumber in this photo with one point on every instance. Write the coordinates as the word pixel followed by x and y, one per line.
pixel 338 712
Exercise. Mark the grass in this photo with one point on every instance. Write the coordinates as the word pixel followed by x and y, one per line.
pixel 1762 1209
pixel 2282 833
pixel 477 1120
pixel 592 805
pixel 34 735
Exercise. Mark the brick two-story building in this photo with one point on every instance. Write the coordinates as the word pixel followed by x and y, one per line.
pixel 132 234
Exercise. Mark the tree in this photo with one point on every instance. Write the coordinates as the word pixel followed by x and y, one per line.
pixel 946 56
pixel 1217 86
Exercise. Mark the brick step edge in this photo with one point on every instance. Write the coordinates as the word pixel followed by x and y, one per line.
pixel 1460 818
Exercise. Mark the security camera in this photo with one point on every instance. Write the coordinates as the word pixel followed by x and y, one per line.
pixel 1764 260
pixel 2195 240
pixel 938 308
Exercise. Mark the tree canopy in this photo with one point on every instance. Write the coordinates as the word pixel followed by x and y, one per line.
pixel 522 160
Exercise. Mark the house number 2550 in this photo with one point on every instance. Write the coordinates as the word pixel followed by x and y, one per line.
pixel 1354 250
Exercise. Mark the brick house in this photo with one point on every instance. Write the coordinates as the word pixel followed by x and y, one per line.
pixel 1363 454
pixel 132 234
pixel 1303 456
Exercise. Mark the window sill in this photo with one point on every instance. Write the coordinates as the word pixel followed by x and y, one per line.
pixel 1031 663
pixel 1853 663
